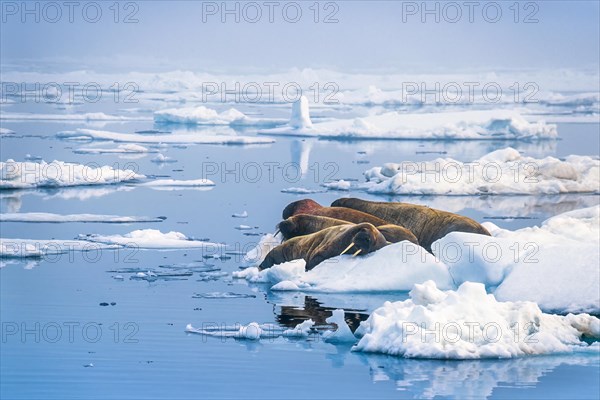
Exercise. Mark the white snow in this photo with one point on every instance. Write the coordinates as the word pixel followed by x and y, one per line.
pixel 300 114
pixel 163 138
pixel 178 183
pixel 22 175
pixel 469 324
pixel 342 334
pixel 151 239
pixel 300 190
pixel 128 148
pixel 503 171
pixel 393 268
pixel 202 115
pixel 472 125
pixel 58 218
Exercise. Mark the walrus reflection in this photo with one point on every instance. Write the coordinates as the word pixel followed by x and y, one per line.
pixel 291 316
pixel 327 243
pixel 427 224
pixel 306 224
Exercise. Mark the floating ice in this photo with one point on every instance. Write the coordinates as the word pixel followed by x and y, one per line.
pixel 96 116
pixel 22 175
pixel 176 183
pixel 244 227
pixel 151 239
pixel 503 171
pixel 243 214
pixel 5 131
pixel 164 138
pixel 202 115
pixel 342 334
pixel 128 148
pixel 300 114
pixel 468 324
pixel 223 295
pixel 300 190
pixel 59 218
pixel 473 125
pixel 38 248
pixel 392 268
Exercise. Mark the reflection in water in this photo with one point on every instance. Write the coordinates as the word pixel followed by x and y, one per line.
pixel 300 154
pixel 431 378
pixel 290 316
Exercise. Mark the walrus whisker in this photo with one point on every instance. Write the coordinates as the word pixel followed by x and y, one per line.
pixel 355 254
pixel 347 248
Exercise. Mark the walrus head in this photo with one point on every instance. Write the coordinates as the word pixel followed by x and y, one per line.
pixel 366 239
pixel 304 206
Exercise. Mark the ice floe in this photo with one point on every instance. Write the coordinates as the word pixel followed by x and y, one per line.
pixel 23 175
pixel 151 239
pixel 96 116
pixel 202 115
pixel 60 218
pixel 6 131
pixel 198 138
pixel 554 265
pixel 128 148
pixel 178 183
pixel 23 248
pixel 468 324
pixel 465 125
pixel 503 171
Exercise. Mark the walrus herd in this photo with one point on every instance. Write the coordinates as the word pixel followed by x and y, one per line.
pixel 315 233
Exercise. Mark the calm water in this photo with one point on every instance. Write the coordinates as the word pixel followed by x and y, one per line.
pixel 138 346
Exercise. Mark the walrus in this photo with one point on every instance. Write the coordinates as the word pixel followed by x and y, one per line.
pixel 311 207
pixel 427 224
pixel 327 243
pixel 305 224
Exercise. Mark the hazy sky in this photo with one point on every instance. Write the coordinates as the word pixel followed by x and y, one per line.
pixel 368 35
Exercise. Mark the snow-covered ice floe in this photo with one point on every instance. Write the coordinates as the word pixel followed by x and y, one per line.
pixel 466 125
pixel 554 265
pixel 6 131
pixel 503 171
pixel 202 115
pixel 38 248
pixel 170 184
pixel 97 116
pixel 469 324
pixel 24 175
pixel 59 218
pixel 152 239
pixel 128 148
pixel 191 138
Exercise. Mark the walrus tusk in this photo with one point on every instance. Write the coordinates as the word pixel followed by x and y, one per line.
pixel 347 248
pixel 277 232
pixel 355 254
pixel 388 242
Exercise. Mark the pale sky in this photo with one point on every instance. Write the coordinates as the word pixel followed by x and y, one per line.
pixel 369 35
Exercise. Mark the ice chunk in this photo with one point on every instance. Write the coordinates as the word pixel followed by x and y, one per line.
pixel 468 324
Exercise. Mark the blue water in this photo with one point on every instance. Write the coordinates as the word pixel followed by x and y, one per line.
pixel 138 346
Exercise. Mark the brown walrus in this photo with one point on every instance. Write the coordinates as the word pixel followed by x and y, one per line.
pixel 428 224
pixel 308 206
pixel 305 224
pixel 327 243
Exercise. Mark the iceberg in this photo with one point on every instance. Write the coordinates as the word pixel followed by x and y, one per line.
pixel 152 239
pixel 470 324
pixel 503 171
